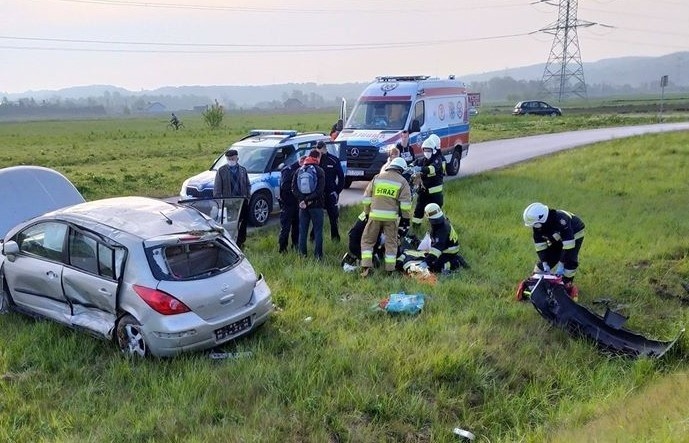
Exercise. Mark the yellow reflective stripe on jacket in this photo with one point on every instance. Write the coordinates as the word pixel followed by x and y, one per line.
pixel 431 171
pixel 366 254
pixel 385 188
pixel 435 252
pixel 381 214
pixel 405 206
pixel 453 235
pixel 435 189
pixel 541 246
pixel 578 235
pixel 451 250
pixel 362 216
pixel 366 201
pixel 568 244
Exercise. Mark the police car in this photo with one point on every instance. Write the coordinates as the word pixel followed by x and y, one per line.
pixel 261 153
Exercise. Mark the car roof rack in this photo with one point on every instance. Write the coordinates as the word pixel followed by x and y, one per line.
pixel 402 78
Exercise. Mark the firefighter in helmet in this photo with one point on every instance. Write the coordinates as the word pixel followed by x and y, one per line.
pixel 431 171
pixel 557 236
pixel 386 197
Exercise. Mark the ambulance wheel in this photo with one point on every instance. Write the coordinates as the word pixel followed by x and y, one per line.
pixel 453 165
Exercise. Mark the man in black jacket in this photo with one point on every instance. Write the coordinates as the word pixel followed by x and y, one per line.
pixel 334 184
pixel 308 185
pixel 404 146
pixel 289 207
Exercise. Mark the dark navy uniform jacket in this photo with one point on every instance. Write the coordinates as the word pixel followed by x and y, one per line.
pixel 334 176
pixel 561 227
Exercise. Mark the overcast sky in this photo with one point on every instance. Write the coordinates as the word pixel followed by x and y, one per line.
pixel 145 44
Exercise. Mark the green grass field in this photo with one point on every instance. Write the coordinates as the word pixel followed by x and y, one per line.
pixel 473 358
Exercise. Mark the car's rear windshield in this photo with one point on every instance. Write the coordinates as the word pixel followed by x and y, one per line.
pixel 192 260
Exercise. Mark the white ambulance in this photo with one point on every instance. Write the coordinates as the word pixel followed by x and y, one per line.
pixel 422 105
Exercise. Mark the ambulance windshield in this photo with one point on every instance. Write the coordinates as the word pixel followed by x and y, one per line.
pixel 379 115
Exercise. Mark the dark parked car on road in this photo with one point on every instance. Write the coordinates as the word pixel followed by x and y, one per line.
pixel 535 107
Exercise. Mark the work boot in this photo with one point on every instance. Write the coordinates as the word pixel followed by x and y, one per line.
pixel 572 291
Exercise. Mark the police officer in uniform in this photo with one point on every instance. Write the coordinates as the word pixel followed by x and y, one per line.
pixel 289 206
pixel 334 184
pixel 432 172
pixel 557 236
pixel 386 197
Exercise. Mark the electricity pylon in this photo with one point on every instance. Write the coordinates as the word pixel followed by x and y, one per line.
pixel 564 73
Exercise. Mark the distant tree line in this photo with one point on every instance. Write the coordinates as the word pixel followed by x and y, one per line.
pixel 501 89
pixel 495 90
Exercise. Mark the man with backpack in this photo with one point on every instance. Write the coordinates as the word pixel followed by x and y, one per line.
pixel 289 207
pixel 308 187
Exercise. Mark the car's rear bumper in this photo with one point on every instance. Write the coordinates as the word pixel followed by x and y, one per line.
pixel 192 333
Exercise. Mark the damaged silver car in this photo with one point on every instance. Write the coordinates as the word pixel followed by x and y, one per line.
pixel 157 278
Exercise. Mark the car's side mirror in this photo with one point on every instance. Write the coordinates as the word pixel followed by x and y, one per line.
pixel 415 126
pixel 10 250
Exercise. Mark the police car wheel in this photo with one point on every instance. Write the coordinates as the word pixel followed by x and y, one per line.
pixel 259 209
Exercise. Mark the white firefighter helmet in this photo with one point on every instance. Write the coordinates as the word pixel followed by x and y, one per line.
pixel 433 211
pixel 397 163
pixel 535 213
pixel 432 142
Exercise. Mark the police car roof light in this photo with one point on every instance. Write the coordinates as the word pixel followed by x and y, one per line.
pixel 287 132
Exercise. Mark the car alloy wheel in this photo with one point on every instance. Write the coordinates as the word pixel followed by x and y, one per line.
pixel 259 209
pixel 129 337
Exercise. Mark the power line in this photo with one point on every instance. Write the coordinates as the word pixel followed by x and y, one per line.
pixel 261 48
pixel 288 10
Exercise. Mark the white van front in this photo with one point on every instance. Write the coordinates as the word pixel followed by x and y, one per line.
pixel 420 104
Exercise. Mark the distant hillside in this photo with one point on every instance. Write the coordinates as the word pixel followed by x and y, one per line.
pixel 610 76
pixel 632 71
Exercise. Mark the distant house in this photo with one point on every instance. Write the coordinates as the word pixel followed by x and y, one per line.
pixel 155 108
pixel 293 103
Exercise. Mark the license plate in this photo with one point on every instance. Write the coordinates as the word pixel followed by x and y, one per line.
pixel 355 172
pixel 233 328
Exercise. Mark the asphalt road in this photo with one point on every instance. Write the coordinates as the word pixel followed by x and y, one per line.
pixel 500 153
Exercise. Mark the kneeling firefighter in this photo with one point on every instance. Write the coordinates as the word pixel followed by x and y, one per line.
pixel 444 254
pixel 386 196
pixel 352 258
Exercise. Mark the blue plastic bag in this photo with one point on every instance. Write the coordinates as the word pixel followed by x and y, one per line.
pixel 405 303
